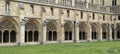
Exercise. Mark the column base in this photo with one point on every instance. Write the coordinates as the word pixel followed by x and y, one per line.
pixel 89 40
pixel 60 42
pixel 19 44
pixel 43 42
pixel 100 40
pixel 76 41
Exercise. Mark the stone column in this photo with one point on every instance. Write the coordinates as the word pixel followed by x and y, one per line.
pixel 110 32
pixel 115 32
pixel 100 32
pixel 77 33
pixel 62 34
pixel 89 32
pixel 22 32
pixel 44 31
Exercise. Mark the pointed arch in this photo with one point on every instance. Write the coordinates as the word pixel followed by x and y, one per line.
pixel 82 31
pixel 32 29
pixel 10 27
pixel 69 29
pixel 94 31
pixel 104 31
pixel 52 28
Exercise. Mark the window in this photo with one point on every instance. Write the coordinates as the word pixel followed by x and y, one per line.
pixel 103 2
pixel 114 2
pixel 118 17
pixel 91 1
pixel 52 11
pixel 21 6
pixel 43 9
pixel 81 14
pixel 32 7
pixel 68 13
pixel 104 17
pixel 7 6
pixel 93 15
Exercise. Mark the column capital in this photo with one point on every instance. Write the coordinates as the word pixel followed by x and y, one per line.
pixel 22 23
pixel 62 25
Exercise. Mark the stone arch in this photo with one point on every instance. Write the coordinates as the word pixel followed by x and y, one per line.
pixel 82 31
pixel 9 28
pixel 69 30
pixel 94 31
pixel 52 25
pixel 104 31
pixel 32 29
pixel 9 24
pixel 52 29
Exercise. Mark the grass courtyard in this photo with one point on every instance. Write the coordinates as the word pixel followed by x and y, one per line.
pixel 112 47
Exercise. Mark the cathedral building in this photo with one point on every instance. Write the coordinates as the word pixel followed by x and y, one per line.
pixel 30 22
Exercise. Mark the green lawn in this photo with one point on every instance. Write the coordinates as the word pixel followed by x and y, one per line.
pixel 112 47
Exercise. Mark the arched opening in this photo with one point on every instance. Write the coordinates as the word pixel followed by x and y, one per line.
pixel 0 36
pixel 104 31
pixel 94 32
pixel 84 36
pixel 6 36
pixel 50 36
pixel 52 31
pixel 31 31
pixel 54 36
pixel 66 35
pixel 8 26
pixel 113 34
pixel 80 35
pixel 30 36
pixel 82 31
pixel 68 27
pixel 95 35
pixel 118 34
pixel 26 34
pixel 104 35
pixel 36 36
pixel 70 35
pixel 13 36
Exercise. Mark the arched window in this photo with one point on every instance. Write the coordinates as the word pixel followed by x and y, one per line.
pixel 68 13
pixel 13 36
pixel 66 35
pixel 6 36
pixel 54 36
pixel 30 36
pixel 50 36
pixel 26 38
pixel 7 6
pixel 84 35
pixel 32 7
pixel 36 36
pixel 80 35
pixel 52 11
pixel 114 2
pixel 70 35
